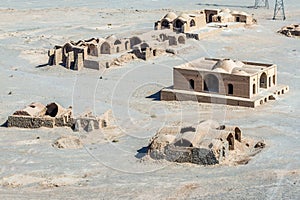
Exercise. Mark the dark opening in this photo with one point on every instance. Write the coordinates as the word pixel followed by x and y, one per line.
pixel 154 52
pixel 118 49
pixel 210 18
pixel 52 109
pixel 230 140
pixel 270 81
pixel 183 143
pixel 230 89
pixel 219 18
pixel 192 23
pixel 105 48
pixel 274 80
pixel 165 24
pixel 178 24
pixel 238 134
pixel 126 45
pixel 237 19
pixel 254 89
pixel 282 91
pixel 263 80
pixel 192 84
pixel 211 83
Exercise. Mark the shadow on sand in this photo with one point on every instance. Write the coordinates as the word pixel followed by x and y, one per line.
pixel 142 152
pixel 155 96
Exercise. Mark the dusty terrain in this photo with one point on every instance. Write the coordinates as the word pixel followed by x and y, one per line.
pixel 30 167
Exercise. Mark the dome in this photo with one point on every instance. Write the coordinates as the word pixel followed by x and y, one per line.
pixel 226 64
pixel 184 17
pixel 234 12
pixel 239 63
pixel 243 13
pixel 170 16
pixel 239 71
pixel 111 38
pixel 225 10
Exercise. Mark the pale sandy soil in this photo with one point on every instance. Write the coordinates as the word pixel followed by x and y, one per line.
pixel 31 168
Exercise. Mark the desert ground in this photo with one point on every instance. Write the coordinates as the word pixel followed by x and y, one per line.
pixel 32 168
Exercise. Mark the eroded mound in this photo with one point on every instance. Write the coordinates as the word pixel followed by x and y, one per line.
pixel 68 142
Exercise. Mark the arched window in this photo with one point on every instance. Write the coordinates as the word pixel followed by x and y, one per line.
pixel 230 140
pixel 178 23
pixel 230 88
pixel 192 84
pixel 263 80
pixel 192 23
pixel 211 83
pixel 105 48
pixel 254 89
pixel 165 24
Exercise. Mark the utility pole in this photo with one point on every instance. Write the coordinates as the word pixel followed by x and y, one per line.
pixel 279 7
pixel 261 3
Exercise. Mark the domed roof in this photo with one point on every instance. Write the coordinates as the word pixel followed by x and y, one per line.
pixel 226 10
pixel 243 13
pixel 170 16
pixel 234 12
pixel 112 38
pixel 226 64
pixel 239 71
pixel 184 17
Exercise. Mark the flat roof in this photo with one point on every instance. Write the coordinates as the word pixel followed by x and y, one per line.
pixel 227 66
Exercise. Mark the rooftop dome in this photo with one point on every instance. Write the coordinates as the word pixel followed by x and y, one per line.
pixel 170 16
pixel 226 64
pixel 239 71
pixel 112 38
pixel 184 17
pixel 225 10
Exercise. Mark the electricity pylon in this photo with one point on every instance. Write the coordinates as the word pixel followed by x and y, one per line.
pixel 279 7
pixel 261 3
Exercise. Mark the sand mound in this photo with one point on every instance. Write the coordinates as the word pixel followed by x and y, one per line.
pixel 60 181
pixel 68 142
pixel 18 180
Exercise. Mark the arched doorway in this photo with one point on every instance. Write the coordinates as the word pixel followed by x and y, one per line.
pixel 238 134
pixel 179 24
pixel 192 84
pixel 105 48
pixel 192 23
pixel 211 83
pixel 254 88
pixel 127 45
pixel 263 80
pixel 230 88
pixel 230 140
pixel 210 18
pixel 164 24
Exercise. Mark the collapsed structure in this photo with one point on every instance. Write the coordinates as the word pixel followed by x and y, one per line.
pixel 207 143
pixel 292 30
pixel 37 115
pixel 224 81
pixel 97 53
pixel 203 23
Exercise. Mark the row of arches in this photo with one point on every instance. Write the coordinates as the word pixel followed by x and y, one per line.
pixel 178 23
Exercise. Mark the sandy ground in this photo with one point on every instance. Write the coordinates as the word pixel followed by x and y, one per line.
pixel 30 167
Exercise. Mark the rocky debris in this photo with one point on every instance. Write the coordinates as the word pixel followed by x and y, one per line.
pixel 68 142
pixel 207 143
pixel 292 30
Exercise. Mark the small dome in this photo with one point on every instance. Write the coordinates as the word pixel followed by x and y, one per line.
pixel 111 38
pixel 226 64
pixel 234 12
pixel 239 71
pixel 243 13
pixel 170 16
pixel 184 17
pixel 225 10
